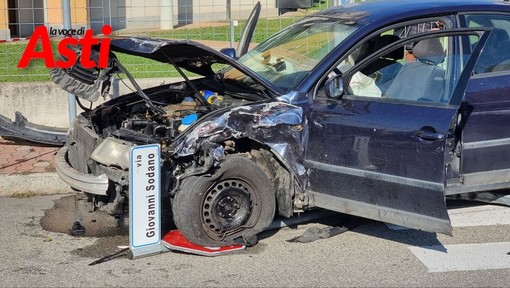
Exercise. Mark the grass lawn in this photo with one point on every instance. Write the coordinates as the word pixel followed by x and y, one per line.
pixel 10 54
pixel 218 32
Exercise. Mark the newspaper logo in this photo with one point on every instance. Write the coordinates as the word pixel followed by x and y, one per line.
pixel 41 36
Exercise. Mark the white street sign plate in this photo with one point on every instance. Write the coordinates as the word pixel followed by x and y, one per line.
pixel 144 199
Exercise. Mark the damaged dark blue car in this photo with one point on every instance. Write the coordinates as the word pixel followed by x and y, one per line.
pixel 379 109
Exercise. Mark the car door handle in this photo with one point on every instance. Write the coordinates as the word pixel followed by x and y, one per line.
pixel 429 136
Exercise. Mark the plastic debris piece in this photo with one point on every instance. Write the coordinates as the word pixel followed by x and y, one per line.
pixel 77 229
pixel 109 257
pixel 316 233
pixel 175 241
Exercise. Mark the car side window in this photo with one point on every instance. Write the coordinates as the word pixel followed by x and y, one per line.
pixel 372 80
pixel 495 56
pixel 419 79
pixel 382 76
pixel 428 77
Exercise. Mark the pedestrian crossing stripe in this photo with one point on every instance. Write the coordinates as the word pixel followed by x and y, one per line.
pixel 467 257
pixel 464 257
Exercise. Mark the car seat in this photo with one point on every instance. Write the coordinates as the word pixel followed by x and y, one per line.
pixel 422 80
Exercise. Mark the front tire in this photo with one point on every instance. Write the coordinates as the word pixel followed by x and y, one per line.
pixel 230 207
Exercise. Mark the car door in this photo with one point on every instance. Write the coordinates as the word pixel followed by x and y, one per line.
pixel 485 154
pixel 249 29
pixel 383 156
pixel 244 42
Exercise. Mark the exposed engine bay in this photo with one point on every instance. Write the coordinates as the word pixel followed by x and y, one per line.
pixel 126 123
pixel 144 126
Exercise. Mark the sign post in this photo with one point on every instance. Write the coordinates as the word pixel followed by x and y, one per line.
pixel 144 201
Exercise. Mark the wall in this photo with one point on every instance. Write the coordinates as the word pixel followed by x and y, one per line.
pixel 45 103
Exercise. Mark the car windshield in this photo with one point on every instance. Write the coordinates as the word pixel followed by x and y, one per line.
pixel 287 58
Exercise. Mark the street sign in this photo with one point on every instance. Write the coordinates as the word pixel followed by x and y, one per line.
pixel 144 201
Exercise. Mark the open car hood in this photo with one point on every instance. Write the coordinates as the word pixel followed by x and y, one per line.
pixel 194 57
pixel 189 55
pixel 90 83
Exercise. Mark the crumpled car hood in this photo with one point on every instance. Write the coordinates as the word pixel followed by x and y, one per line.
pixel 189 55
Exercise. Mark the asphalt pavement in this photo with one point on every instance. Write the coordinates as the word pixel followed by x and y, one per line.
pixel 370 254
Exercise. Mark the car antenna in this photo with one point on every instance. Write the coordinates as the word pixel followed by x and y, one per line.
pixel 199 95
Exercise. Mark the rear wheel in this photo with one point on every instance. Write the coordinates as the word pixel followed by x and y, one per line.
pixel 230 207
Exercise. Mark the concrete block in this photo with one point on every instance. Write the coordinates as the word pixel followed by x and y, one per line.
pixel 45 103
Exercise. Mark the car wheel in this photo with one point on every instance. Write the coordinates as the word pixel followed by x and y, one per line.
pixel 230 207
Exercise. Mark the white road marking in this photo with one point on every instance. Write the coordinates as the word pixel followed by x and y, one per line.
pixel 479 215
pixel 467 257
pixel 482 215
pixel 464 257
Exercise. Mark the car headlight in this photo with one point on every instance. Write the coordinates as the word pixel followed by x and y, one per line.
pixel 112 152
pixel 209 128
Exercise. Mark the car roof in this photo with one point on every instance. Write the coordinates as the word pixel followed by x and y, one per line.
pixel 398 10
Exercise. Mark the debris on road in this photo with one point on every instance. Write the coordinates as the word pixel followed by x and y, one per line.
pixel 316 233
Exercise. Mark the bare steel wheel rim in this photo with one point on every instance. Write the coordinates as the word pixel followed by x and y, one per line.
pixel 227 207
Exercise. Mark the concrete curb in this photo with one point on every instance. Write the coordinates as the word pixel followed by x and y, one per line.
pixel 25 185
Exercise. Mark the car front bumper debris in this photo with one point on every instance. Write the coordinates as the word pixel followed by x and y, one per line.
pixel 84 182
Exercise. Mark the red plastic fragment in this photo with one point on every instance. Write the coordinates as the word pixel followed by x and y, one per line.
pixel 174 240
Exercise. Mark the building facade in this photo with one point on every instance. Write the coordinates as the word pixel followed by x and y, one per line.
pixel 18 18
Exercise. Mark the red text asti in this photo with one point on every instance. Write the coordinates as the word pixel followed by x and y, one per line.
pixel 41 35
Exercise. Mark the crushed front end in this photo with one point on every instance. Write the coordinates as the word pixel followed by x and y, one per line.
pixel 214 125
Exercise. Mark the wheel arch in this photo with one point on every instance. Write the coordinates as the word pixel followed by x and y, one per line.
pixel 285 180
pixel 208 209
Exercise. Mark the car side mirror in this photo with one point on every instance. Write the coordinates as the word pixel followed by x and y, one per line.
pixel 230 52
pixel 335 87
